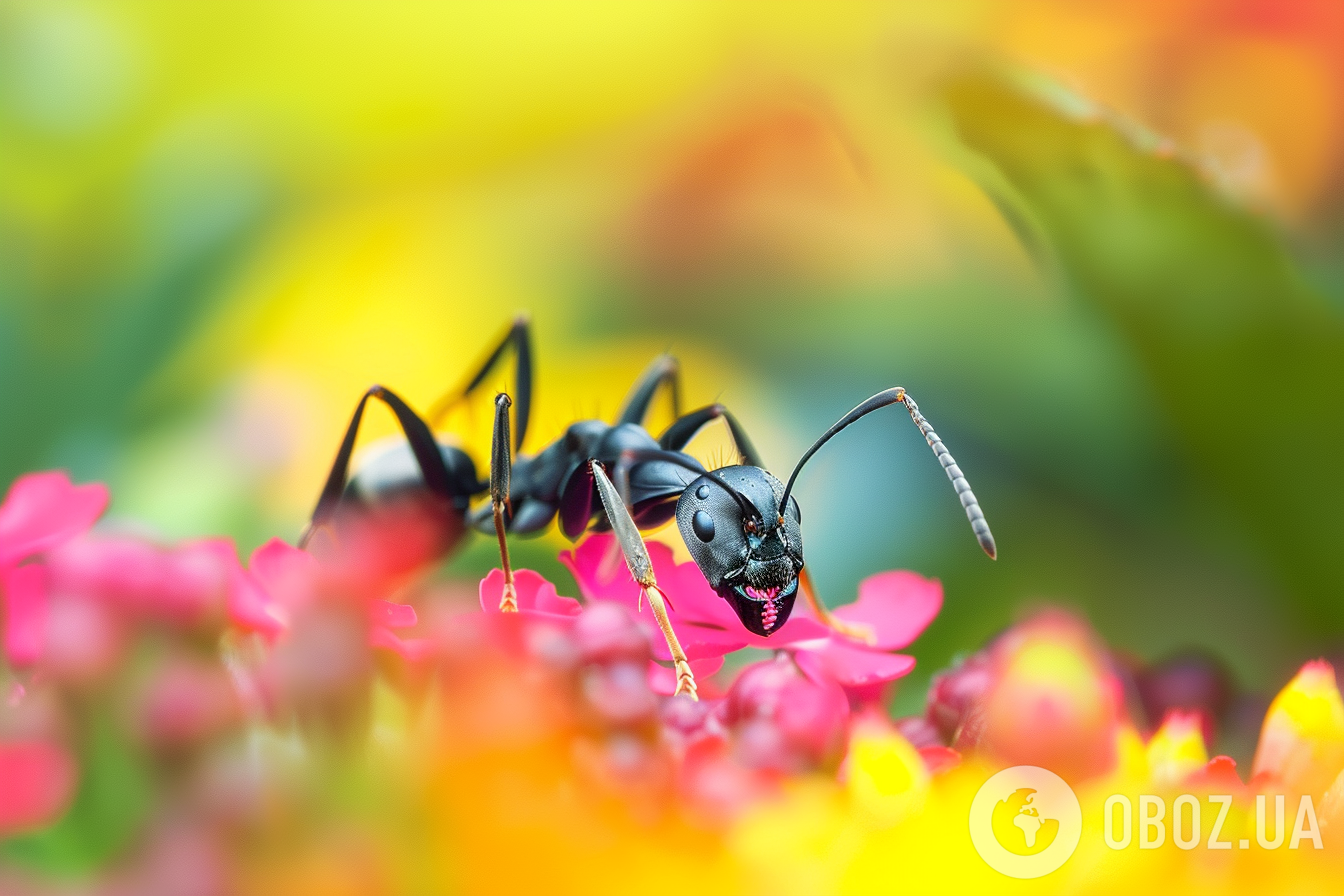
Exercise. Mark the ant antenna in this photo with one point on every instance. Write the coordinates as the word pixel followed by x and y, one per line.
pixel 898 395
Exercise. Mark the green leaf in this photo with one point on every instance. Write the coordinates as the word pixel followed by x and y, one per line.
pixel 1245 362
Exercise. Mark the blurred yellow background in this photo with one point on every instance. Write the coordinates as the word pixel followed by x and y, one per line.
pixel 1099 243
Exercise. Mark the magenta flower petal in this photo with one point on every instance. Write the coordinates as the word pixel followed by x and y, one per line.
pixel 25 598
pixel 896 606
pixel 389 615
pixel 287 574
pixel 43 510
pixel 536 596
pixel 600 570
pixel 184 585
pixel 250 608
pixel 413 650
pixel 705 624
pixel 38 780
pixel 663 680
pixel 852 667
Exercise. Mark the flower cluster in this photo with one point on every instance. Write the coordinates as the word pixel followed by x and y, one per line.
pixel 178 722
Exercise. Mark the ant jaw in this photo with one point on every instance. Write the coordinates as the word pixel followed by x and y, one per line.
pixel 762 611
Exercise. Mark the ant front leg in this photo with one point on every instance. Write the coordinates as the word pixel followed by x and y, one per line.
pixel 501 464
pixel 641 567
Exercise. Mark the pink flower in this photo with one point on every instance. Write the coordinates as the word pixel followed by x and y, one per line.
pixel 37 778
pixel 41 511
pixel 705 625
pixel 1043 693
pixel 25 589
pixel 892 610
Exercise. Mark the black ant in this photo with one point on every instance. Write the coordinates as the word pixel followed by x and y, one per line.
pixel 739 522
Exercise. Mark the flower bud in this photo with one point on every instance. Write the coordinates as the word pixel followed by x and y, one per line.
pixel 784 720
pixel 1302 741
pixel 618 694
pixel 955 691
pixel 1054 702
pixel 1177 750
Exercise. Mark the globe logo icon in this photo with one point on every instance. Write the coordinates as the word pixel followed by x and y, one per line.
pixel 1019 827
pixel 1025 822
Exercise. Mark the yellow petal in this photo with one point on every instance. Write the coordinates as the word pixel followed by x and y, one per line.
pixel 1177 749
pixel 888 780
pixel 1302 741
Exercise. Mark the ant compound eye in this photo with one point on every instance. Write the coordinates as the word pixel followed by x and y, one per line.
pixel 703 526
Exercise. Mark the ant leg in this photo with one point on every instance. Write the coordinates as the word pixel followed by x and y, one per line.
pixel 663 371
pixel 501 464
pixel 426 450
pixel 519 336
pixel 641 567
pixel 680 433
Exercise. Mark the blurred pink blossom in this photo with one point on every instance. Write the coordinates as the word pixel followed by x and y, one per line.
pixel 184 585
pixel 43 510
pixel 282 581
pixel 37 778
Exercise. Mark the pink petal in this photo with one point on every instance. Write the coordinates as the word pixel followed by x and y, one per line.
pixel 413 650
pixel 663 680
pixel 798 628
pixel 896 605
pixel 25 597
pixel 183 586
pixel 288 575
pixel 852 667
pixel 195 581
pixel 536 596
pixel 939 759
pixel 250 607
pixel 389 615
pixel 43 510
pixel 704 622
pixel 38 781
pixel 602 575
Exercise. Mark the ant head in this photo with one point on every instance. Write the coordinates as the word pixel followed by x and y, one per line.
pixel 749 552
